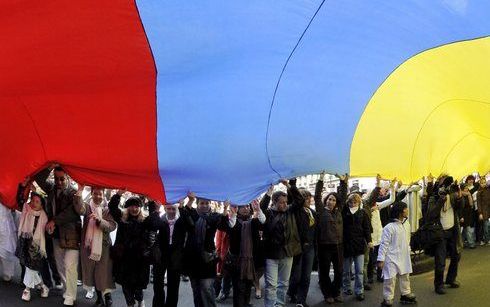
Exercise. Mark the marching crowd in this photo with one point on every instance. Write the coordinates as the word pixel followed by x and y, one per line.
pixel 364 237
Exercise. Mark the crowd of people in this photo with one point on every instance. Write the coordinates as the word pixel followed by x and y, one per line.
pixel 62 238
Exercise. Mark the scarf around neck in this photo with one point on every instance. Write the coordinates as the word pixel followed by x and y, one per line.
pixel 94 235
pixel 27 231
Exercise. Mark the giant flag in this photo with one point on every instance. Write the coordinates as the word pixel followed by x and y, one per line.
pixel 225 97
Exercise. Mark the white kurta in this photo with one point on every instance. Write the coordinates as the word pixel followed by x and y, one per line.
pixel 8 234
pixel 394 249
pixel 8 242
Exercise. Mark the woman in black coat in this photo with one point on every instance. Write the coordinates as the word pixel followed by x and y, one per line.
pixel 131 269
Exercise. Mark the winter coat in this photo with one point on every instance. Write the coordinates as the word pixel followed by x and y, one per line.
pixel 281 237
pixel 67 217
pixel 330 226
pixel 394 249
pixel 130 266
pixel 483 201
pixel 357 232
pixel 235 238
pixel 200 263
pixel 467 212
pixel 98 273
pixel 433 213
pixel 173 254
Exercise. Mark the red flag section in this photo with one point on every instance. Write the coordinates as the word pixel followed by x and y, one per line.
pixel 77 87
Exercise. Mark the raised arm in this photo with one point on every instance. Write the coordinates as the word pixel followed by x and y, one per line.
pixel 266 199
pixel 390 200
pixel 342 192
pixel 319 207
pixel 114 209
pixel 41 179
pixel 21 194
pixel 298 200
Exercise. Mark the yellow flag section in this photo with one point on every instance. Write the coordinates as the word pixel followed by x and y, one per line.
pixel 431 115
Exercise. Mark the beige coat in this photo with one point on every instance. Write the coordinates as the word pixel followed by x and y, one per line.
pixel 98 274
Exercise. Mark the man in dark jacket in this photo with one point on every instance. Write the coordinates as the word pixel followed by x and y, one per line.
pixel 172 228
pixel 443 207
pixel 357 238
pixel 200 250
pixel 281 241
pixel 65 227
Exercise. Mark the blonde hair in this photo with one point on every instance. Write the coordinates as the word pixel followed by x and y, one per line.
pixel 352 197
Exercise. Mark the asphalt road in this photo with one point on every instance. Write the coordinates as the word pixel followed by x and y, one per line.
pixel 474 275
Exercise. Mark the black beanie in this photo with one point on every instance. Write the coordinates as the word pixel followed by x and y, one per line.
pixel 133 201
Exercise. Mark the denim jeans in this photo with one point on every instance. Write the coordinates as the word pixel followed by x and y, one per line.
pixel 301 275
pixel 203 291
pixel 277 272
pixel 469 235
pixel 359 276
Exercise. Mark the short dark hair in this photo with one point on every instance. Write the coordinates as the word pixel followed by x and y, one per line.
pixel 278 194
pixel 470 177
pixel 43 201
pixel 59 169
pixel 397 209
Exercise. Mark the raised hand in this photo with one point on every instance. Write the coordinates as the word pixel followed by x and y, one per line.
pixel 255 205
pixel 285 183
pixel 393 182
pixel 378 180
pixel 430 178
pixel 26 181
pixel 191 195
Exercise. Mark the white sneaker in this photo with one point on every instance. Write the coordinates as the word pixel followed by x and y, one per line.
pixel 58 287
pixel 90 294
pixel 26 295
pixel 68 302
pixel 79 283
pixel 141 304
pixel 44 291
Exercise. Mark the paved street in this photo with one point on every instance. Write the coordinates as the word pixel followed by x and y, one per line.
pixel 474 276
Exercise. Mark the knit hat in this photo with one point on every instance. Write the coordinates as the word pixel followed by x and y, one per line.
pixel 133 201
